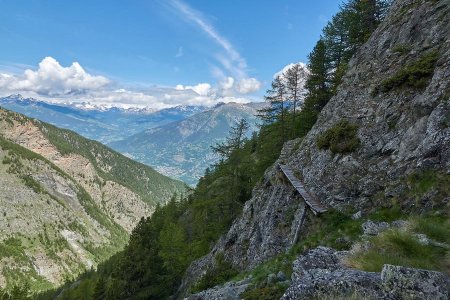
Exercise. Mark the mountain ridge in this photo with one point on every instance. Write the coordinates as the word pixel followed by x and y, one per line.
pixel 85 202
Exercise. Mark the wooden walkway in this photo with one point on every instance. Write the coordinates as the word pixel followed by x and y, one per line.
pixel 310 200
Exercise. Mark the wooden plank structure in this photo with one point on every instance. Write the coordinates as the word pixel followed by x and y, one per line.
pixel 310 199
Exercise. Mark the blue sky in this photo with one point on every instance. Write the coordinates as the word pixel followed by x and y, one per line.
pixel 156 53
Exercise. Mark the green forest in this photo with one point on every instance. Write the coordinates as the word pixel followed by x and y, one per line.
pixel 162 246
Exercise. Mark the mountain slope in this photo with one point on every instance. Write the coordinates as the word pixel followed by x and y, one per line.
pixel 402 156
pixel 98 123
pixel 67 203
pixel 182 149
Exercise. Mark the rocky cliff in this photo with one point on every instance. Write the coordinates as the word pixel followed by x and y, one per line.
pixel 395 99
pixel 67 203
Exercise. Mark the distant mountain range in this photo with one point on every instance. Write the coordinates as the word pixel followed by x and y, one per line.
pixel 101 123
pixel 182 149
pixel 175 141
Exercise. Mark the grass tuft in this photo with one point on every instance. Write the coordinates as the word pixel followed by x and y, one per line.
pixel 399 248
pixel 415 75
pixel 341 138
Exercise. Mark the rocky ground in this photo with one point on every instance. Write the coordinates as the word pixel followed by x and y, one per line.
pixel 324 273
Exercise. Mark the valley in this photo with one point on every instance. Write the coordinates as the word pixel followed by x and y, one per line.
pixel 83 199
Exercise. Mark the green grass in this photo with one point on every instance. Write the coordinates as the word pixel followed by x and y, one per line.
pixel 268 292
pixel 415 75
pixel 434 227
pixel 341 138
pixel 12 247
pixel 388 214
pixel 333 229
pixel 399 248
pixel 427 182
pixel 423 182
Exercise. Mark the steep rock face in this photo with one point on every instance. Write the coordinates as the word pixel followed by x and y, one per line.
pixel 400 131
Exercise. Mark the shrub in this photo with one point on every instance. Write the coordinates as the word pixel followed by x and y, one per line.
pixel 415 75
pixel 341 138
pixel 401 48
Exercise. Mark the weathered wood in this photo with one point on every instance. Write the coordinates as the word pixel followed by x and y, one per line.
pixel 310 199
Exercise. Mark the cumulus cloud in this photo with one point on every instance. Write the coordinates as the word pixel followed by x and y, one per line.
pixel 55 83
pixel 52 79
pixel 227 83
pixel 248 85
pixel 283 71
pixel 203 89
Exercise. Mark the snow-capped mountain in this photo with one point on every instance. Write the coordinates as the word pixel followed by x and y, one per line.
pixel 99 122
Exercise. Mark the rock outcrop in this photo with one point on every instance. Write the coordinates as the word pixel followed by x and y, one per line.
pixel 320 274
pixel 229 291
pixel 401 131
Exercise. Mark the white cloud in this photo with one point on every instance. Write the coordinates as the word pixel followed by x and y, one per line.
pixel 54 83
pixel 52 79
pixel 248 85
pixel 288 66
pixel 203 89
pixel 227 83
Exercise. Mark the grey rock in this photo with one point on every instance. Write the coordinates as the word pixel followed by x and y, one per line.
pixel 374 228
pixel 319 274
pixel 400 224
pixel 228 291
pixel 315 261
pixel 320 271
pixel 357 215
pixel 408 283
pixel 281 276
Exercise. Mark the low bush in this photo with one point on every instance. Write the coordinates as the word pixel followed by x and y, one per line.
pixel 415 75
pixel 341 138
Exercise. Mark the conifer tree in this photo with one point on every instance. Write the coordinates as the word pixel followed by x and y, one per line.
pixel 295 78
pixel 276 98
pixel 318 83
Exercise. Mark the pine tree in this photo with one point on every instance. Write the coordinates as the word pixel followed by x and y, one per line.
pixel 100 289
pixel 276 98
pixel 295 78
pixel 318 83
pixel 234 140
